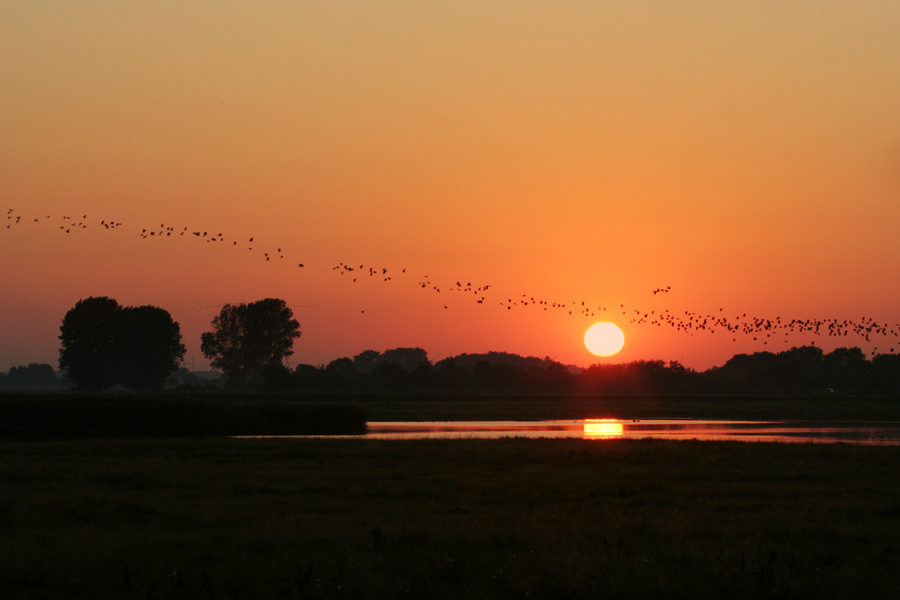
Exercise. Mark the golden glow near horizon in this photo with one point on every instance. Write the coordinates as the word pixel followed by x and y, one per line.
pixel 604 339
pixel 740 157
pixel 603 428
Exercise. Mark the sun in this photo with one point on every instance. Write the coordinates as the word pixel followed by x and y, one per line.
pixel 604 339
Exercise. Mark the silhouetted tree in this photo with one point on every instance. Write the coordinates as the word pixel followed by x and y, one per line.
pixel 422 376
pixel 497 376
pixel 340 373
pixel 183 378
pixel 367 361
pixel 448 374
pixel 342 367
pixel 249 342
pixel 639 376
pixel 745 371
pixel 88 335
pixel 804 369
pixel 885 373
pixel 407 359
pixel 307 377
pixel 149 347
pixel 800 368
pixel 33 376
pixel 523 363
pixel 845 368
pixel 389 375
pixel 104 343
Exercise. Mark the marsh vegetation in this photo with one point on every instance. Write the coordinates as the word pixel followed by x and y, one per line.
pixel 74 416
pixel 509 518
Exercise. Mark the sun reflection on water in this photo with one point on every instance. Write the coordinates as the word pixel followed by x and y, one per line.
pixel 602 428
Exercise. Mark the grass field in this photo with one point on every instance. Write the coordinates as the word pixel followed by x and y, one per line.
pixel 510 518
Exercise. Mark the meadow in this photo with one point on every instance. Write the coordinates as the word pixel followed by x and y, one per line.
pixel 508 518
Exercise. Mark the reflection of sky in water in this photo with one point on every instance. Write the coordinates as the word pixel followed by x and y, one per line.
pixel 677 429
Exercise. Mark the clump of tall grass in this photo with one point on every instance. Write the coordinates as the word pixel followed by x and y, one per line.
pixel 104 416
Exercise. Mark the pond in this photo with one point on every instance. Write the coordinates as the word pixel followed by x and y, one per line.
pixel 868 433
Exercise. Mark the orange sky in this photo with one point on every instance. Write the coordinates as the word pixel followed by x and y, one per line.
pixel 748 157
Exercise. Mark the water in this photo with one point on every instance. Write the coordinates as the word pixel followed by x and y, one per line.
pixel 868 433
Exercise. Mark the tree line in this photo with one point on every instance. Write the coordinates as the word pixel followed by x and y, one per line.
pixel 800 369
pixel 104 345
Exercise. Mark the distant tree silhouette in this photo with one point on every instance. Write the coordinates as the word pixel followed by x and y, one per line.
pixel 744 371
pixel 497 376
pixel 468 361
pixel 307 377
pixel 389 375
pixel 367 361
pixel 800 368
pixel 183 378
pixel 845 368
pixel 149 347
pixel 341 373
pixel 88 336
pixel 408 359
pixel 249 342
pixel 342 367
pixel 804 369
pixel 885 373
pixel 448 374
pixel 33 376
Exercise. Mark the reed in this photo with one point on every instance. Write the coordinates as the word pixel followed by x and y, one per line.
pixel 64 416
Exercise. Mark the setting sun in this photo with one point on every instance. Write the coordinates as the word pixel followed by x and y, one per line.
pixel 604 339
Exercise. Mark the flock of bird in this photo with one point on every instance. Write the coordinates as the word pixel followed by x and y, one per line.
pixel 763 330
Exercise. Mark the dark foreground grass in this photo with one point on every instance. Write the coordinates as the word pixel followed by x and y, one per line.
pixel 511 518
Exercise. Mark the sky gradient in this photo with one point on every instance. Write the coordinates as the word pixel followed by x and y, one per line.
pixel 746 157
